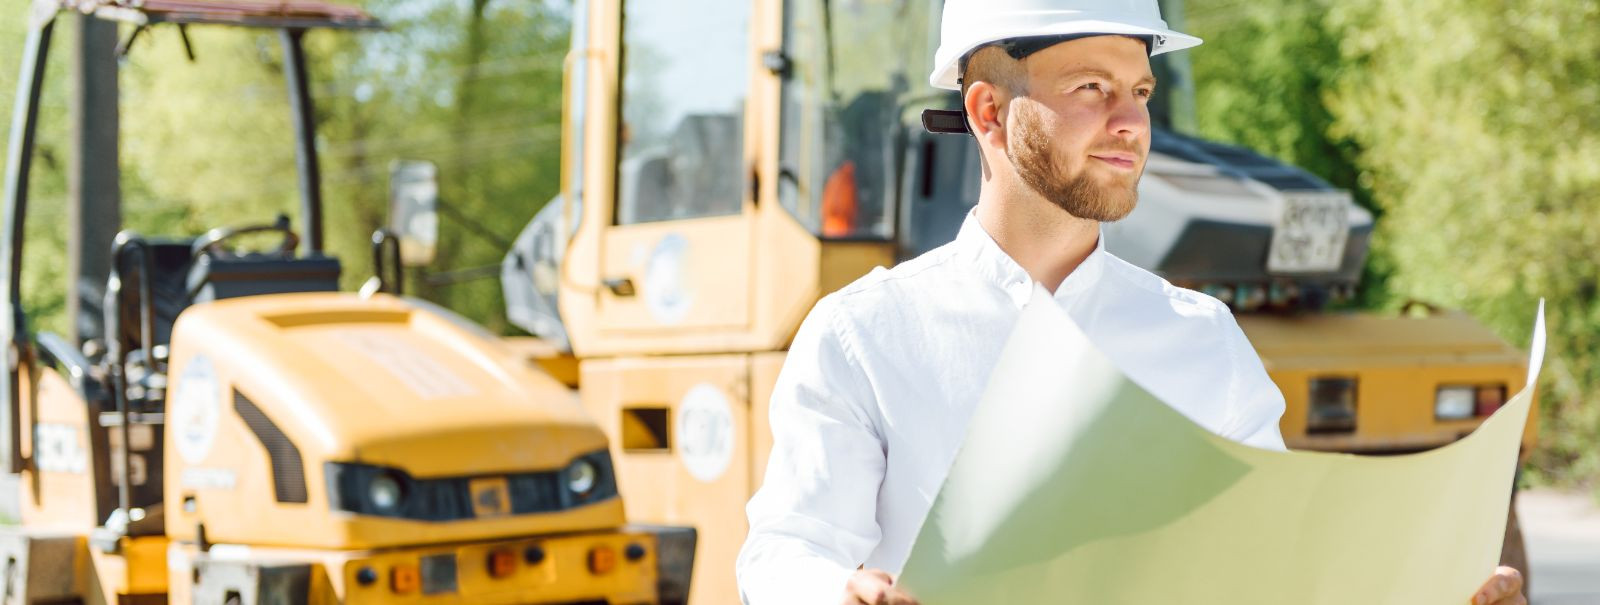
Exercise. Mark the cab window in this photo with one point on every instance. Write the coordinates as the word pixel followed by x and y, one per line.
pixel 684 79
pixel 849 79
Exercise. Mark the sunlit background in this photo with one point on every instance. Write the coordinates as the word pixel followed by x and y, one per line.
pixel 1470 128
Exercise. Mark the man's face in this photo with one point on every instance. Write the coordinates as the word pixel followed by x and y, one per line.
pixel 1081 135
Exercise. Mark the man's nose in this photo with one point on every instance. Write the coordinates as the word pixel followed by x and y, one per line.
pixel 1130 119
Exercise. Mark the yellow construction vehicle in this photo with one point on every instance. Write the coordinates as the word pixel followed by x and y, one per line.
pixel 313 446
pixel 728 162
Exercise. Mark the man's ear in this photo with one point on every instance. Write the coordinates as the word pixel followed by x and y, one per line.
pixel 985 105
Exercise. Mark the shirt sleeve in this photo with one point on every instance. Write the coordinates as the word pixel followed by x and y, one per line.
pixel 814 520
pixel 1257 404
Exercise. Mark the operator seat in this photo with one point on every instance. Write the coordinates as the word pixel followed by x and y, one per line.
pixel 170 260
pixel 215 278
pixel 179 277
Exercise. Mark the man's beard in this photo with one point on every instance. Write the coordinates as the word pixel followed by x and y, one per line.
pixel 1034 159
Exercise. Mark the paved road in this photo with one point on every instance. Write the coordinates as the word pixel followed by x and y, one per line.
pixel 1563 538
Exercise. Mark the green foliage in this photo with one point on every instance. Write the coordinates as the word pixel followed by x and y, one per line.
pixel 1479 126
pixel 209 142
pixel 1471 129
pixel 1261 77
pixel 474 87
pixel 1261 81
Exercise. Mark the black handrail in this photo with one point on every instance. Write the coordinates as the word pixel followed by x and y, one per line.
pixel 125 242
pixel 303 116
pixel 385 240
pixel 24 123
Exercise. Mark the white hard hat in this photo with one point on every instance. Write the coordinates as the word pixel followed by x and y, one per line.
pixel 970 24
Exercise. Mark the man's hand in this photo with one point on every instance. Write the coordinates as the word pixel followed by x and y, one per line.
pixel 874 587
pixel 1503 588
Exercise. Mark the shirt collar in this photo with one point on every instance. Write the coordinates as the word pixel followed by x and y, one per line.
pixel 976 245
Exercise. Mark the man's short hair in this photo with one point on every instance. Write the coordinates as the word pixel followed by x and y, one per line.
pixel 994 65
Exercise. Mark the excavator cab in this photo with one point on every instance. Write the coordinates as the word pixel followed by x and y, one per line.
pixel 730 207
pixel 726 163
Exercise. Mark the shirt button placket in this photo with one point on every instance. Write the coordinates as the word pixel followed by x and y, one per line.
pixel 1020 290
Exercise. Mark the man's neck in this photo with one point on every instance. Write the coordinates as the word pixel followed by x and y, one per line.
pixel 1046 241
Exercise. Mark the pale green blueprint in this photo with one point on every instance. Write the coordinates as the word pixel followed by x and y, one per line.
pixel 1074 485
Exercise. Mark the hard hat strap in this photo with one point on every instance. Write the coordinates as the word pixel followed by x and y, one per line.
pixel 1021 48
pixel 945 121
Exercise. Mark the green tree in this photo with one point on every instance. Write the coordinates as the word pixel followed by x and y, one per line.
pixel 1470 130
pixel 1262 79
pixel 1478 125
pixel 475 89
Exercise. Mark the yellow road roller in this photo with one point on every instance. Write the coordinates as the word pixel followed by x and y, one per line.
pixel 235 430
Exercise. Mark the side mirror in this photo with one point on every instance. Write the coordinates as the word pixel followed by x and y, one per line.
pixel 414 209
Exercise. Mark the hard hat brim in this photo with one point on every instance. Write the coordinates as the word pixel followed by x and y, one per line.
pixel 947 74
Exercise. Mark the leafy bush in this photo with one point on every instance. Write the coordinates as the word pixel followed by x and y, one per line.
pixel 1471 129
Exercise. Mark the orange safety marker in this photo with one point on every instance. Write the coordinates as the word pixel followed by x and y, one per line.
pixel 405 578
pixel 502 562
pixel 602 559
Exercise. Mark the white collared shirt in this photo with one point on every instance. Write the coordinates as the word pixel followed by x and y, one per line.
pixel 874 398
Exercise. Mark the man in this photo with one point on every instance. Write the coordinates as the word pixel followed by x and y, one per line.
pixel 883 375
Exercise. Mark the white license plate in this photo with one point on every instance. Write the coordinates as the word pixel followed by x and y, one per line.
pixel 1310 232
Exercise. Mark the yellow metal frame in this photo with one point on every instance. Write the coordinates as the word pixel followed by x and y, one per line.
pixel 658 484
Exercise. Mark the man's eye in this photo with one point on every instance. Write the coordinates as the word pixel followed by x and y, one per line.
pixel 1091 86
pixel 1145 93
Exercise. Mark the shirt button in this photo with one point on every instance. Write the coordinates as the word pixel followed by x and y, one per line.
pixel 1020 291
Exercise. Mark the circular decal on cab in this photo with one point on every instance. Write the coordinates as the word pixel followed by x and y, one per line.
pixel 196 410
pixel 665 293
pixel 705 432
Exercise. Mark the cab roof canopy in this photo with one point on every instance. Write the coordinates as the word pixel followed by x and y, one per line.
pixel 279 14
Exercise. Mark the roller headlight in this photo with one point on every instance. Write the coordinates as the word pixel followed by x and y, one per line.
pixel 588 479
pixel 581 477
pixel 384 493
pixel 375 490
